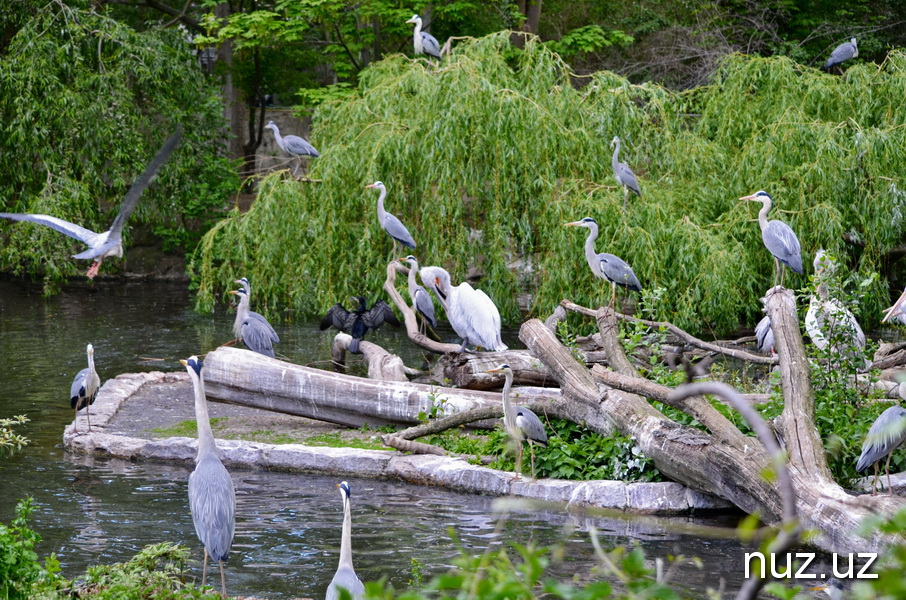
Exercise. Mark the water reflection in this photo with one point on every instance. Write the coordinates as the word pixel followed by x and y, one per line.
pixel 91 510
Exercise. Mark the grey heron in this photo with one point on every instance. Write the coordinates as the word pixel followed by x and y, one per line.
pixel 85 388
pixel 608 267
pixel 389 223
pixel 212 497
pixel 424 42
pixel 897 312
pixel 472 314
pixel 357 322
pixel 293 145
pixel 842 53
pixel 254 331
pixel 764 336
pixel 243 314
pixel 421 299
pixel 520 423
pixel 827 320
pixel 885 435
pixel 778 238
pixel 110 242
pixel 345 576
pixel 833 588
pixel 625 176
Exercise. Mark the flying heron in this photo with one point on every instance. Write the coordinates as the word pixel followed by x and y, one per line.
pixel 212 497
pixel 293 144
pixel 472 314
pixel 885 435
pixel 110 242
pixel 85 388
pixel 606 266
pixel 254 330
pixel 520 422
pixel 778 238
pixel 424 42
pixel 421 299
pixel 625 176
pixel 842 53
pixel 357 322
pixel 345 576
pixel 389 223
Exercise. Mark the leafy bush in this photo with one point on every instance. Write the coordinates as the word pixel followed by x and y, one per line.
pixel 10 441
pixel 20 572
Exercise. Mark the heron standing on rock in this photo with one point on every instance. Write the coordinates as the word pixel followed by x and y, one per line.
pixel 85 388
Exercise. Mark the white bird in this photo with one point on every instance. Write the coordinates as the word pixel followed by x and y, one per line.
pixel 842 53
pixel 85 388
pixel 472 314
pixel 520 422
pixel 897 312
pixel 625 176
pixel 345 576
pixel 424 42
pixel 110 242
pixel 421 299
pixel 293 144
pixel 389 223
pixel 828 320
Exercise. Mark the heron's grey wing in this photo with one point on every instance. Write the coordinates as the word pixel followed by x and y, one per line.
pixel 781 241
pixel 764 335
pixel 379 314
pixel 841 53
pixel 430 45
pixel 482 318
pixel 257 338
pixel 77 389
pixel 135 192
pixel 299 146
pixel 212 500
pixel 425 305
pixel 398 231
pixel 884 436
pixel 267 326
pixel 627 177
pixel 615 269
pixel 531 425
pixel 337 316
pixel 345 578
pixel 64 227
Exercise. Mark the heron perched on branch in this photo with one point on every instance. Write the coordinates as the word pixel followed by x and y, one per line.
pixel 254 330
pixel 421 299
pixel 85 387
pixel 389 223
pixel 520 423
pixel 472 314
pixel 885 435
pixel 212 497
pixel 608 267
pixel 345 576
pixel 778 238
pixel 424 42
pixel 293 144
pixel 841 54
pixel 110 242
pixel 357 322
pixel 625 176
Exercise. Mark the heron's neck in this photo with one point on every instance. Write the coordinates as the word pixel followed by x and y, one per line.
pixel 380 204
pixel 616 154
pixel 242 311
pixel 278 137
pixel 205 434
pixel 509 415
pixel 590 255
pixel 91 363
pixel 763 214
pixel 346 538
pixel 417 36
pixel 413 269
pixel 823 291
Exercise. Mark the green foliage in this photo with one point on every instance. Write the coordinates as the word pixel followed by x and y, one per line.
pixel 487 157
pixel 10 441
pixel 589 38
pixel 85 102
pixel 20 572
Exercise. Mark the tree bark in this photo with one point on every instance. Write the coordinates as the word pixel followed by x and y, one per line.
pixel 468 369
pixel 382 365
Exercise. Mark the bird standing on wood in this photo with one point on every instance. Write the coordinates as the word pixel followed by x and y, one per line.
pixel 357 322
pixel 345 576
pixel 472 314
pixel 885 435
pixel 110 242
pixel 389 223
pixel 625 176
pixel 424 42
pixel 254 330
pixel 293 144
pixel 212 497
pixel 85 388
pixel 520 422
pixel 606 266
pixel 778 238
pixel 842 53
pixel 421 299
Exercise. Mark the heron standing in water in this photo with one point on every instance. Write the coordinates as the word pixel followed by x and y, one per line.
pixel 345 576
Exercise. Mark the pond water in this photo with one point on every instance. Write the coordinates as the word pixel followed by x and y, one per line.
pixel 91 510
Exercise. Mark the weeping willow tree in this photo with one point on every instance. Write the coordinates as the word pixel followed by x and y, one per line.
pixel 488 154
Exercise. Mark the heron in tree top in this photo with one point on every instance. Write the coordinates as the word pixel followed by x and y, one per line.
pixel 345 576
pixel 293 144
pixel 778 238
pixel 254 330
pixel 842 53
pixel 625 176
pixel 85 388
pixel 359 321
pixel 389 223
pixel 885 435
pixel 520 423
pixel 424 42
pixel 472 314
pixel 110 242
pixel 608 267
pixel 421 299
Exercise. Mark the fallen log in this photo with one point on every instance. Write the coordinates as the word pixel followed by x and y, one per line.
pixel 468 369
pixel 382 365
pixel 409 319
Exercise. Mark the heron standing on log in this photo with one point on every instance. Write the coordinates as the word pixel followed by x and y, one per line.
pixel 608 267
pixel 421 299
pixel 778 238
pixel 520 422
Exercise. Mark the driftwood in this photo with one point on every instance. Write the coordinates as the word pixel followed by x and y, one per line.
pixel 403 440
pixel 467 369
pixel 409 319
pixel 382 365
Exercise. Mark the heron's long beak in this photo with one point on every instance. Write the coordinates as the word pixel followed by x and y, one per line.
pixel 896 306
pixel 234 292
pixel 438 288
pixel 573 224
pixel 237 281
pixel 494 371
pixel 184 362
pixel 412 20
pixel 370 185
pixel 750 197
pixel 818 588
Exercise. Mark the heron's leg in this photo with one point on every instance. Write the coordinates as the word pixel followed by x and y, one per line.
pixel 75 419
pixel 518 458
pixel 88 414
pixel 222 581
pixel 887 469
pixel 94 268
pixel 625 197
pixel 204 569
pixel 874 482
pixel 532 451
